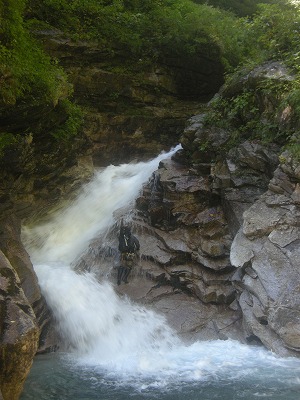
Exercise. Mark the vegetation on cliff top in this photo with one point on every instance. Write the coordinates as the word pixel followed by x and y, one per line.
pixel 29 78
pixel 147 30
pixel 275 29
pixel 241 8
pixel 26 72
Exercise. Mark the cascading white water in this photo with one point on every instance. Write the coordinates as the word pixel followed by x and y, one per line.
pixel 70 230
pixel 91 317
pixel 100 327
pixel 110 333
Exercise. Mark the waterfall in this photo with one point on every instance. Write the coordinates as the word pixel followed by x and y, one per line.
pixel 69 231
pixel 92 318
pixel 104 331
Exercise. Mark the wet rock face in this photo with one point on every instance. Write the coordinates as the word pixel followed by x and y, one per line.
pixel 11 246
pixel 266 253
pixel 186 242
pixel 39 170
pixel 19 332
pixel 26 322
pixel 239 176
pixel 183 270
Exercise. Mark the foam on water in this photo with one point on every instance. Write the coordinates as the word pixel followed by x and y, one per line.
pixel 111 334
pixel 99 325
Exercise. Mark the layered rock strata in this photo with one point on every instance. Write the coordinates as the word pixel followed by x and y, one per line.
pixel 266 252
pixel 133 107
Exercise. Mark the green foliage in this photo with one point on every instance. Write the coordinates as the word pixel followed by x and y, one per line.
pixel 242 8
pixel 293 146
pixel 151 30
pixel 182 27
pixel 293 100
pixel 239 114
pixel 270 111
pixel 254 113
pixel 11 12
pixel 6 139
pixel 275 32
pixel 72 123
pixel 25 70
pixel 146 29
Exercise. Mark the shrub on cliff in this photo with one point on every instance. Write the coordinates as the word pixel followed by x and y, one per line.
pixel 242 8
pixel 269 110
pixel 146 29
pixel 31 85
pixel 275 31
pixel 26 72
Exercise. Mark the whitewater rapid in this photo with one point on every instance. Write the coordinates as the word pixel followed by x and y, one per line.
pixel 108 333
pixel 70 229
